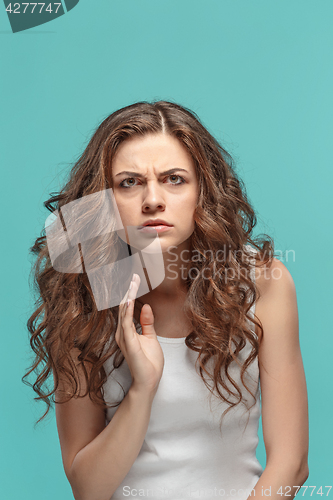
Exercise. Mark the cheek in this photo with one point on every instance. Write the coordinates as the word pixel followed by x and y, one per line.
pixel 123 210
pixel 185 211
pixel 189 205
pixel 122 205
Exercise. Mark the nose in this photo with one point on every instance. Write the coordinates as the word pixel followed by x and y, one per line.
pixel 153 197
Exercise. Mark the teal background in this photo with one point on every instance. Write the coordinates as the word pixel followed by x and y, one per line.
pixel 259 75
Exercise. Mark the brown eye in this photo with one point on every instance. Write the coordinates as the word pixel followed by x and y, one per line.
pixel 179 177
pixel 126 180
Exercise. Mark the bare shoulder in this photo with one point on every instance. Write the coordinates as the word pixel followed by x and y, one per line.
pixel 277 292
pixel 272 278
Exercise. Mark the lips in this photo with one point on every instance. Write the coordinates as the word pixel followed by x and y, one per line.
pixel 156 222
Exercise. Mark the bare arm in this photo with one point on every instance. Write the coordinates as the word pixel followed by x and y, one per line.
pixel 100 467
pixel 278 481
pixel 97 458
pixel 283 386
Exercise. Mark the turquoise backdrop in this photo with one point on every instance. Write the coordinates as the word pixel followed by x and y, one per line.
pixel 259 74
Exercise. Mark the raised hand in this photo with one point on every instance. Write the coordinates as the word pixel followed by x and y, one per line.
pixel 143 353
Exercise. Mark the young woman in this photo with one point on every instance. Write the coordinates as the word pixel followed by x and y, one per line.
pixel 159 396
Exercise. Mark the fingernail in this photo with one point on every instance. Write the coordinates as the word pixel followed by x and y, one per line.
pixel 131 285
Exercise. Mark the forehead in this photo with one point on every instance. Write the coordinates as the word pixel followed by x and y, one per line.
pixel 153 150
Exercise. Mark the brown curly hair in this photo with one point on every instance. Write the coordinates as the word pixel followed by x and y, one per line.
pixel 66 316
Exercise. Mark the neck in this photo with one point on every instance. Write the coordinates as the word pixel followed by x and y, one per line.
pixel 173 290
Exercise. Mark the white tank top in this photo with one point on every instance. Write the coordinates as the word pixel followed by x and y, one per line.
pixel 184 454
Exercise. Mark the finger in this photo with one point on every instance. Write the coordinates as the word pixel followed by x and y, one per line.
pixel 124 301
pixel 128 314
pixel 121 313
pixel 147 320
pixel 135 286
pixel 128 325
pixel 123 308
pixel 131 293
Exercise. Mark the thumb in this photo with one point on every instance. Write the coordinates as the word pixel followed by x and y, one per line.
pixel 147 320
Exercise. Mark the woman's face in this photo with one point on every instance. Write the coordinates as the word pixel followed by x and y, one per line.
pixel 154 178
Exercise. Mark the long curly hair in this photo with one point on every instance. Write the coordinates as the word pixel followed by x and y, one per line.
pixel 65 314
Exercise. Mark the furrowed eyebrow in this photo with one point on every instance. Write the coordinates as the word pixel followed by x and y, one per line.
pixel 167 172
